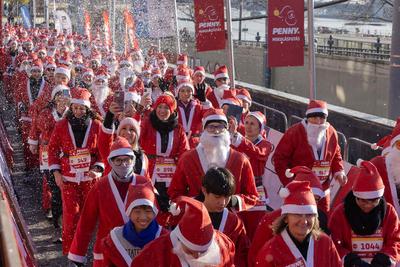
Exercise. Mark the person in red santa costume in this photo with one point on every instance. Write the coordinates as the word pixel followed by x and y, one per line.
pixel 244 95
pixel 221 78
pixel 298 240
pixel 214 151
pixel 162 64
pixel 74 159
pixel 49 70
pixel 190 111
pixel 128 128
pixel 105 203
pixel 101 93
pixel 124 243
pixel 125 67
pixel 388 166
pixel 263 232
pixel 39 137
pixel 194 242
pixel 9 67
pixel 218 186
pixel 257 149
pixel 164 141
pixel 365 228
pixel 201 87
pixel 313 142
pixel 154 86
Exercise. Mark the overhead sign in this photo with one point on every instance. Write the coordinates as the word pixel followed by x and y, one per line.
pixel 62 22
pixel 285 33
pixel 209 25
pixel 26 17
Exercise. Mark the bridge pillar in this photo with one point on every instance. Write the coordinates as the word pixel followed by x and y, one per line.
pixel 394 89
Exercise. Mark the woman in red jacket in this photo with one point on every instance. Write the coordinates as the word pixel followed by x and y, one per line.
pixel 164 141
pixel 74 160
pixel 365 228
pixel 257 149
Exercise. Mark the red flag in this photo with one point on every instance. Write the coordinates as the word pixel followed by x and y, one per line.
pixel 130 30
pixel 285 33
pixel 107 29
pixel 87 24
pixel 209 24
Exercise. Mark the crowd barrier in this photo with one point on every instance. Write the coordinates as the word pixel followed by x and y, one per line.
pixel 16 247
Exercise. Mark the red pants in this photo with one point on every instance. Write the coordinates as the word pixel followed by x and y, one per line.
pixel 31 160
pixel 73 199
pixel 46 194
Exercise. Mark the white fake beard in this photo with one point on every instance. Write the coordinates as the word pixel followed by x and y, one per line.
pixel 100 93
pixel 316 133
pixel 138 65
pixel 219 91
pixel 212 257
pixel 112 68
pixel 216 148
pixel 393 165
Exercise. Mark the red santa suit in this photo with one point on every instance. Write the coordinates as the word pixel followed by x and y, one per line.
pixel 294 150
pixel 281 251
pixel 74 164
pixel 187 181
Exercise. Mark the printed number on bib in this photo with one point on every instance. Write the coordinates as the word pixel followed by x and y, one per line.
pixel 164 170
pixel 80 161
pixel 322 169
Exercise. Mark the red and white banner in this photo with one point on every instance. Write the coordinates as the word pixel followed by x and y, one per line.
pixel 107 29
pixel 285 33
pixel 130 31
pixel 87 24
pixel 209 24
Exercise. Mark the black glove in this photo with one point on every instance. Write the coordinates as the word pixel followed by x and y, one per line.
pixel 353 260
pixel 75 264
pixel 201 92
pixel 381 260
pixel 163 84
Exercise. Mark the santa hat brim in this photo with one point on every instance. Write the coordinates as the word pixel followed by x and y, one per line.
pixel 317 110
pixel 80 102
pixel 182 85
pixel 64 71
pixel 299 209
pixel 120 152
pixel 199 71
pixel 369 194
pixel 189 244
pixel 221 75
pixel 215 117
pixel 141 202
pixel 394 140
pixel 245 98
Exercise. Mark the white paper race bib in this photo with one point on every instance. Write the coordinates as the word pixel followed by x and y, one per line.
pixel 43 157
pixel 164 170
pixel 322 169
pixel 80 161
pixel 367 246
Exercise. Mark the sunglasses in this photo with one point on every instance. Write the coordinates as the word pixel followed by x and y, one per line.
pixel 51 69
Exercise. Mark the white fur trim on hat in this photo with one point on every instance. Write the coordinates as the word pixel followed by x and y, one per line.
pixel 132 96
pixel 57 89
pixel 245 98
pixel 189 244
pixel 318 192
pixel 374 146
pixel 156 75
pixel 120 152
pixel 101 77
pixel 141 202
pixel 289 173
pixel 126 62
pixel 317 110
pixel 184 84
pixel 37 68
pixel 358 162
pixel 64 71
pixel 221 75
pixel 215 117
pixel 369 194
pixel 299 209
pixel 199 71
pixel 180 62
pixel 80 102
pixel 129 121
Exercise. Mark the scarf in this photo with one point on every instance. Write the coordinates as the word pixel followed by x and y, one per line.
pixel 79 127
pixel 142 238
pixel 186 108
pixel 35 87
pixel 301 246
pixel 363 223
pixel 164 127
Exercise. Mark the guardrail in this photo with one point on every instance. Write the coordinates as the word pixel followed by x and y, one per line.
pixel 354 52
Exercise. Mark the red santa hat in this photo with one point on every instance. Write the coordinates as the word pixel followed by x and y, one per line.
pixel 182 84
pixel 146 68
pixel 80 96
pixel 298 198
pixel 140 195
pixel 368 183
pixel 37 65
pixel 168 99
pixel 183 73
pixel 199 69
pixel 87 71
pixel 221 72
pixel 57 89
pixel 214 114
pixel 120 147
pixel 395 133
pixel 129 121
pixel 126 60
pixel 194 229
pixel 156 73
pixel 96 56
pixel 62 69
pixel 41 48
pixel 102 74
pixel 77 59
pixel 317 106
pixel 49 63
pixel 260 118
pixel 161 57
pixel 51 44
pixel 27 41
pixel 229 98
pixel 182 59
pixel 303 173
pixel 65 59
pixel 244 95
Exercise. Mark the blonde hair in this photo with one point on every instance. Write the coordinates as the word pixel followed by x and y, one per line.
pixel 280 224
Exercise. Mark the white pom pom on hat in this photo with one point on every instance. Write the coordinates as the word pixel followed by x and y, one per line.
pixel 174 209
pixel 359 161
pixel 289 174
pixel 284 192
pixel 375 146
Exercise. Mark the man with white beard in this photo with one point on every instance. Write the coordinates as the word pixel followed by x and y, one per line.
pixel 388 167
pixel 221 77
pixel 101 97
pixel 194 242
pixel 137 60
pixel 313 142
pixel 214 151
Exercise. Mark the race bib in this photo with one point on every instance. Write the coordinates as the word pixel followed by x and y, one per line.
pixel 80 161
pixel 299 263
pixel 43 157
pixel 322 170
pixel 367 246
pixel 164 170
